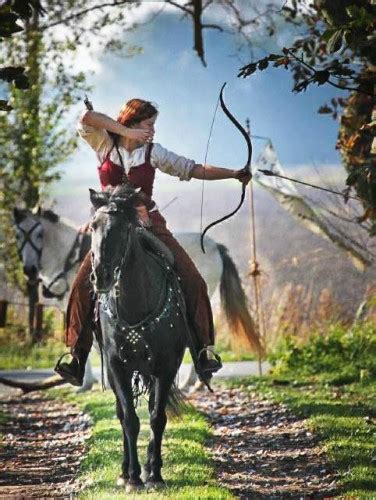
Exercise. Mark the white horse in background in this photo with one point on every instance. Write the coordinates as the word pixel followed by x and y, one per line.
pixel 52 248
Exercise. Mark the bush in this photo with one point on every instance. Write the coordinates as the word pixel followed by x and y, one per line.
pixel 338 356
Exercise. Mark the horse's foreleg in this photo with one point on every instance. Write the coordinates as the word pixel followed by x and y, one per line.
pixel 158 420
pixel 147 469
pixel 131 428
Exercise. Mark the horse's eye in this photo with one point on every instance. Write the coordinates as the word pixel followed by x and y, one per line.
pixel 39 236
pixel 93 226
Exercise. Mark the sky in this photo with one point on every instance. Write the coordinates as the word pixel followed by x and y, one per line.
pixel 170 74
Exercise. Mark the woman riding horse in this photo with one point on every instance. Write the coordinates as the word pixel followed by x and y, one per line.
pixel 126 151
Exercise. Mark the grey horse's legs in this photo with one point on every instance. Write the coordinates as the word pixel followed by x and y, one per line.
pixel 89 379
pixel 189 380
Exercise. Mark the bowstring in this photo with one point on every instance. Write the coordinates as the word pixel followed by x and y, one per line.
pixel 206 156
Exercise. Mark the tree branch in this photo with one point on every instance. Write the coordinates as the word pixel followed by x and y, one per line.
pixel 181 7
pixel 315 71
pixel 83 12
pixel 214 27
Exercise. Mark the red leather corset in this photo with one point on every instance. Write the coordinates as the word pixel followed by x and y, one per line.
pixel 142 176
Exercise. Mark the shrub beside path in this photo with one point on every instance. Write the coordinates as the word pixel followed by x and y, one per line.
pixel 261 450
pixel 43 442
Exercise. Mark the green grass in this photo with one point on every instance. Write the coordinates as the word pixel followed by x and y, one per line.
pixel 226 355
pixel 28 356
pixel 18 351
pixel 23 355
pixel 187 468
pixel 343 416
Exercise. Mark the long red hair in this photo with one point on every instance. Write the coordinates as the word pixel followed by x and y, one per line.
pixel 135 111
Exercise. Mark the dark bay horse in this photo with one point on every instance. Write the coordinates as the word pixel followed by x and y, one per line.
pixel 144 327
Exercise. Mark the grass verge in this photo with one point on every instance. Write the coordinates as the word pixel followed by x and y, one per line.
pixel 187 468
pixel 23 356
pixel 343 416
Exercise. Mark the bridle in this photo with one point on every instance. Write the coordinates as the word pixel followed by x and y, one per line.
pixel 114 211
pixel 69 263
pixel 28 240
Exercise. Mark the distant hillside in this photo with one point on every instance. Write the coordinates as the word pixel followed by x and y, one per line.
pixel 299 269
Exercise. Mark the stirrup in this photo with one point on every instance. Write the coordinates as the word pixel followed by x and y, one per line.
pixel 71 375
pixel 217 362
pixel 58 363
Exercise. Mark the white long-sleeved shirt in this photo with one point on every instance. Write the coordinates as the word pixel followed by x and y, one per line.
pixel 166 161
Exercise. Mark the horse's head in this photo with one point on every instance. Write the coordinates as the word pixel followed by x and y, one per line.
pixel 29 233
pixel 111 226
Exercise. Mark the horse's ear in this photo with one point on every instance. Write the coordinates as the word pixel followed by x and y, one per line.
pixel 98 199
pixel 37 210
pixel 18 215
pixel 50 216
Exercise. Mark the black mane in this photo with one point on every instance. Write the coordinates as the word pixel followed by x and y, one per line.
pixel 124 191
pixel 50 216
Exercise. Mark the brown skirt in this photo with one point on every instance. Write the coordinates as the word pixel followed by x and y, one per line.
pixel 81 304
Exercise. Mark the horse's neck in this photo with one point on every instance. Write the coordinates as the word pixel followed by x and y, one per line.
pixel 141 284
pixel 58 240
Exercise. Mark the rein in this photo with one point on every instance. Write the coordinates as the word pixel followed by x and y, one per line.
pixel 105 298
pixel 27 239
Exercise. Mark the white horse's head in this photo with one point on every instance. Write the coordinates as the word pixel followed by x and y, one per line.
pixel 29 233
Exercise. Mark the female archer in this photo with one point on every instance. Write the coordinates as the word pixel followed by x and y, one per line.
pixel 126 150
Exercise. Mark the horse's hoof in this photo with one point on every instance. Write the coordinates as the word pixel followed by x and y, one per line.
pixel 134 487
pixel 120 481
pixel 84 388
pixel 145 475
pixel 155 485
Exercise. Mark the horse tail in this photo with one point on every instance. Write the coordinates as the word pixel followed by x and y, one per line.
pixel 176 403
pixel 234 303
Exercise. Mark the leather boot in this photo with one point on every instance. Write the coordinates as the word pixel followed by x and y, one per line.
pixel 74 371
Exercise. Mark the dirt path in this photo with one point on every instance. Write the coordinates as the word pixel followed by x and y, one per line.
pixel 263 451
pixel 41 448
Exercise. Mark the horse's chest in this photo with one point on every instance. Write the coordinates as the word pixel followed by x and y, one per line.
pixel 139 344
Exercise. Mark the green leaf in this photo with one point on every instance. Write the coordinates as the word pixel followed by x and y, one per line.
pixel 321 77
pixel 335 42
pixel 4 106
pixel 352 178
pixel 325 110
pixel 328 34
pixel 8 24
pixel 263 64
pixel 274 57
pixel 247 70
pixel 10 73
pixel 22 82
